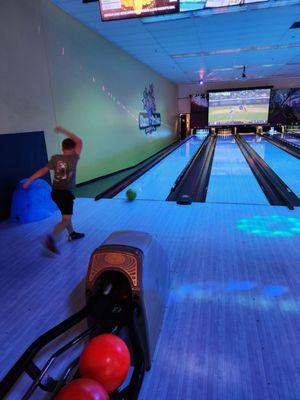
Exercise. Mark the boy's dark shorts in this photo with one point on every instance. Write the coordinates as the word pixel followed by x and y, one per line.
pixel 64 200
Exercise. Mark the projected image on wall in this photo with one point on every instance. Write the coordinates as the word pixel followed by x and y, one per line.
pixel 239 107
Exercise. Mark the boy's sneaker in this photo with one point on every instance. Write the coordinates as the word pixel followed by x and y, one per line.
pixel 51 245
pixel 75 235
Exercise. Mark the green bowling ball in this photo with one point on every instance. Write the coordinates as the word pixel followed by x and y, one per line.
pixel 131 194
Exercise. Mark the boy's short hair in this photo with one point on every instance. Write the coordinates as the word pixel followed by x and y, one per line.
pixel 68 144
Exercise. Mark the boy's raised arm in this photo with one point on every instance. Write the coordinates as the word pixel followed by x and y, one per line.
pixel 77 140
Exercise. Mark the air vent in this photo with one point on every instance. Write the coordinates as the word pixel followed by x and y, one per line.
pixel 296 25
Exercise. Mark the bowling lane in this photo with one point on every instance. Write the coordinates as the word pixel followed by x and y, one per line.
pixel 232 180
pixel 291 139
pixel 157 182
pixel 285 165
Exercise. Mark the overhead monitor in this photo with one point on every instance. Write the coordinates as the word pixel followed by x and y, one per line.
pixel 226 3
pixel 239 107
pixel 193 5
pixel 123 9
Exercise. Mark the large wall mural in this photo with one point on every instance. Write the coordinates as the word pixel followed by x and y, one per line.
pixel 284 106
pixel 150 119
pixel 199 111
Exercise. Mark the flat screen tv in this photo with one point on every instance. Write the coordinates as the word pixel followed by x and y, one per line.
pixel 193 5
pixel 123 9
pixel 239 107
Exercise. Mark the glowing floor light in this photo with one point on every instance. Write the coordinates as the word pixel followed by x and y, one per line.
pixel 270 226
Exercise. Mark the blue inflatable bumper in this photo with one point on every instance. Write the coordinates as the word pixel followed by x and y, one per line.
pixel 32 204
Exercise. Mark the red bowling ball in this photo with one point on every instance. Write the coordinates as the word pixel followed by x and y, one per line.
pixel 105 359
pixel 82 389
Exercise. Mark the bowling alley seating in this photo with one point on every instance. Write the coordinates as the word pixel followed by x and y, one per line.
pixel 127 286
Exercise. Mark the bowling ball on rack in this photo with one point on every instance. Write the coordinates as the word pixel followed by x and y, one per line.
pixel 82 389
pixel 131 194
pixel 105 359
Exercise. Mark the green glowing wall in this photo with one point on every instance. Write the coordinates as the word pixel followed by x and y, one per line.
pixel 97 90
pixel 63 73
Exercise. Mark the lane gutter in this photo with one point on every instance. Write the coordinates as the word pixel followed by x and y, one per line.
pixel 274 188
pixel 282 144
pixel 192 183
